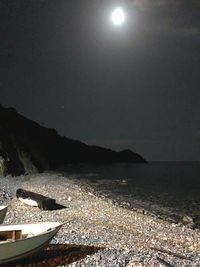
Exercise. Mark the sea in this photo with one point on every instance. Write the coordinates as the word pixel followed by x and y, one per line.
pixel 173 176
pixel 170 184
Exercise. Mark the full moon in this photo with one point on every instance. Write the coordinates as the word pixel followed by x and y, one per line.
pixel 118 16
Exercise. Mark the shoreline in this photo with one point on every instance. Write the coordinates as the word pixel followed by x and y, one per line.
pixel 116 191
pixel 126 235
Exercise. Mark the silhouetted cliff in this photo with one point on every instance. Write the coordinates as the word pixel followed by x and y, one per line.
pixel 27 147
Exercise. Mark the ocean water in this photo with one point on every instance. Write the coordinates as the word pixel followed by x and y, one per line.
pixel 177 176
pixel 171 184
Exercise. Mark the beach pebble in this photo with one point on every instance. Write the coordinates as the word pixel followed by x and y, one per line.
pixel 69 199
pixel 187 220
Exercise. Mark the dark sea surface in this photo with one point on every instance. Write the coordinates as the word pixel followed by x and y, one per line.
pixel 170 184
pixel 174 177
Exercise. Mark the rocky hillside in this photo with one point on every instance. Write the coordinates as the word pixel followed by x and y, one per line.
pixel 27 147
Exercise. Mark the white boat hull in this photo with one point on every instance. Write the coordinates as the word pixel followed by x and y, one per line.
pixel 39 235
pixel 3 211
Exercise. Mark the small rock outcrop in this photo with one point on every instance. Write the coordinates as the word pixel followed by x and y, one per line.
pixel 27 147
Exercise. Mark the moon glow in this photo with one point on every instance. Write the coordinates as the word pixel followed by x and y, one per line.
pixel 118 16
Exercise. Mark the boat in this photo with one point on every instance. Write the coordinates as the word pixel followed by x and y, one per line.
pixel 3 211
pixel 21 240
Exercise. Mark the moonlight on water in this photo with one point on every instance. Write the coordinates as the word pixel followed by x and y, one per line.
pixel 118 16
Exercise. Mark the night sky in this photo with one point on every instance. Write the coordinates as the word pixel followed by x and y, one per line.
pixel 65 65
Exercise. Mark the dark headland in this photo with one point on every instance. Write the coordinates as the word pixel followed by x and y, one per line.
pixel 27 147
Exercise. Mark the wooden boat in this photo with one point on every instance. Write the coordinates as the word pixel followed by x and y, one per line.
pixel 3 211
pixel 21 240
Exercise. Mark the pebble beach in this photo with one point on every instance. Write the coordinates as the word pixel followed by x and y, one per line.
pixel 99 231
